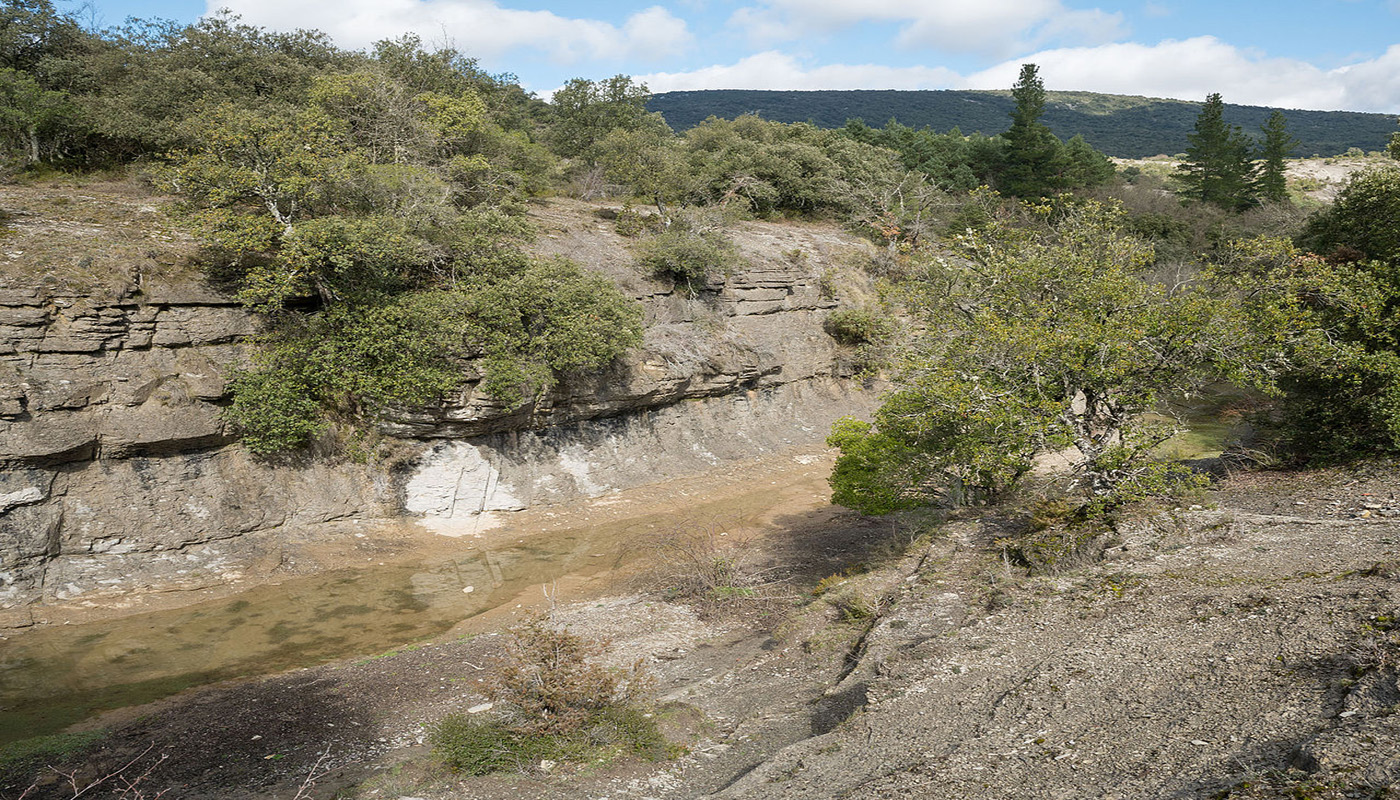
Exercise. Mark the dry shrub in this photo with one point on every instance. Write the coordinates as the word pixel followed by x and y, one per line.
pixel 551 681
pixel 707 562
pixel 558 704
pixel 1378 645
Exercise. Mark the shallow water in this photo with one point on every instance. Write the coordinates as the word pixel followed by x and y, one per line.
pixel 57 675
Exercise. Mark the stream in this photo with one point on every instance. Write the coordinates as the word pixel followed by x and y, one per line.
pixel 54 676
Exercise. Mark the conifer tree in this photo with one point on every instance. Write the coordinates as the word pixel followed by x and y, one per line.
pixel 1034 157
pixel 1219 166
pixel 1278 143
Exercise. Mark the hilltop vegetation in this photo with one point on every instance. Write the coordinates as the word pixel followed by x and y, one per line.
pixel 368 204
pixel 1120 126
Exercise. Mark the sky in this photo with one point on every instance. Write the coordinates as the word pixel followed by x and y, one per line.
pixel 1301 54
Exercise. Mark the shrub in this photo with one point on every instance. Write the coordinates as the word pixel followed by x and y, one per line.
pixel 686 255
pixel 525 328
pixel 558 703
pixel 858 326
pixel 551 683
pixel 482 746
pixel 692 249
pixel 630 222
pixel 705 563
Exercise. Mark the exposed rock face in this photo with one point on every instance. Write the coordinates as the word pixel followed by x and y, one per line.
pixel 84 378
pixel 119 474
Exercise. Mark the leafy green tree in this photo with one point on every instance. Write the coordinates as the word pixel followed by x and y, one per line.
pixel 1086 166
pixel 1037 339
pixel 770 167
pixel 266 187
pixel 649 162
pixel 1346 401
pixel 1341 390
pixel 1361 223
pixel 586 111
pixel 950 161
pixel 1278 144
pixel 1219 166
pixel 36 38
pixel 1033 161
pixel 33 119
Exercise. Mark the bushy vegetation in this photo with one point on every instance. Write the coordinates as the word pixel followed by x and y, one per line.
pixel 1026 160
pixel 1049 329
pixel 368 203
pixel 356 361
pixel 555 703
pixel 692 251
pixel 1345 400
pixel 1119 125
pixel 363 201
pixel 858 326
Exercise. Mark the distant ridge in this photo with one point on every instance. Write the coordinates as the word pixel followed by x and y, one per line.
pixel 1119 125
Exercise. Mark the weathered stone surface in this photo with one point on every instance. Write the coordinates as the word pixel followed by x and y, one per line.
pixel 184 521
pixel 28 533
pixel 114 401
pixel 182 325
pixel 458 480
pixel 51 439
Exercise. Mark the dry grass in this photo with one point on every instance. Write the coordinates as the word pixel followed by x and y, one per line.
pixel 104 233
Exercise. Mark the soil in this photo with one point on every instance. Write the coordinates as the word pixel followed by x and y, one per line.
pixel 1236 649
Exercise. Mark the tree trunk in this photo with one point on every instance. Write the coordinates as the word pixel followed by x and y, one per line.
pixel 33 145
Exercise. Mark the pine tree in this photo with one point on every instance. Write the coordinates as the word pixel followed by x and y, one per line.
pixel 1219 165
pixel 1272 184
pixel 1034 160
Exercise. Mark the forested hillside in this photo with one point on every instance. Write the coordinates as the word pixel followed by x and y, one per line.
pixel 1122 126
pixel 368 205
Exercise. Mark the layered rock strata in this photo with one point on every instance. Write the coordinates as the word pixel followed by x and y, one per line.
pixel 119 475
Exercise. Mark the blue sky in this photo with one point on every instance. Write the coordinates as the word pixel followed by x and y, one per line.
pixel 1319 54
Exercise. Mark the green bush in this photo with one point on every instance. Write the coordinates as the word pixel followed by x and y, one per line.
pixel 525 330
pixel 858 326
pixel 482 746
pixel 689 252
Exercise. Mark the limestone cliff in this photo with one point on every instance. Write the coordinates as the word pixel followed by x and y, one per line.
pixel 120 476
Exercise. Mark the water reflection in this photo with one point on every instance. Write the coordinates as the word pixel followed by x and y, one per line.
pixel 55 676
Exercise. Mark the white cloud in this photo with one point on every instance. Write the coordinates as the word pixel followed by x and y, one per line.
pixel 1187 70
pixel 1190 69
pixel 986 26
pixel 480 28
pixel 774 70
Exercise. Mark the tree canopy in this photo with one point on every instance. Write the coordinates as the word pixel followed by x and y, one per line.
pixel 1050 334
